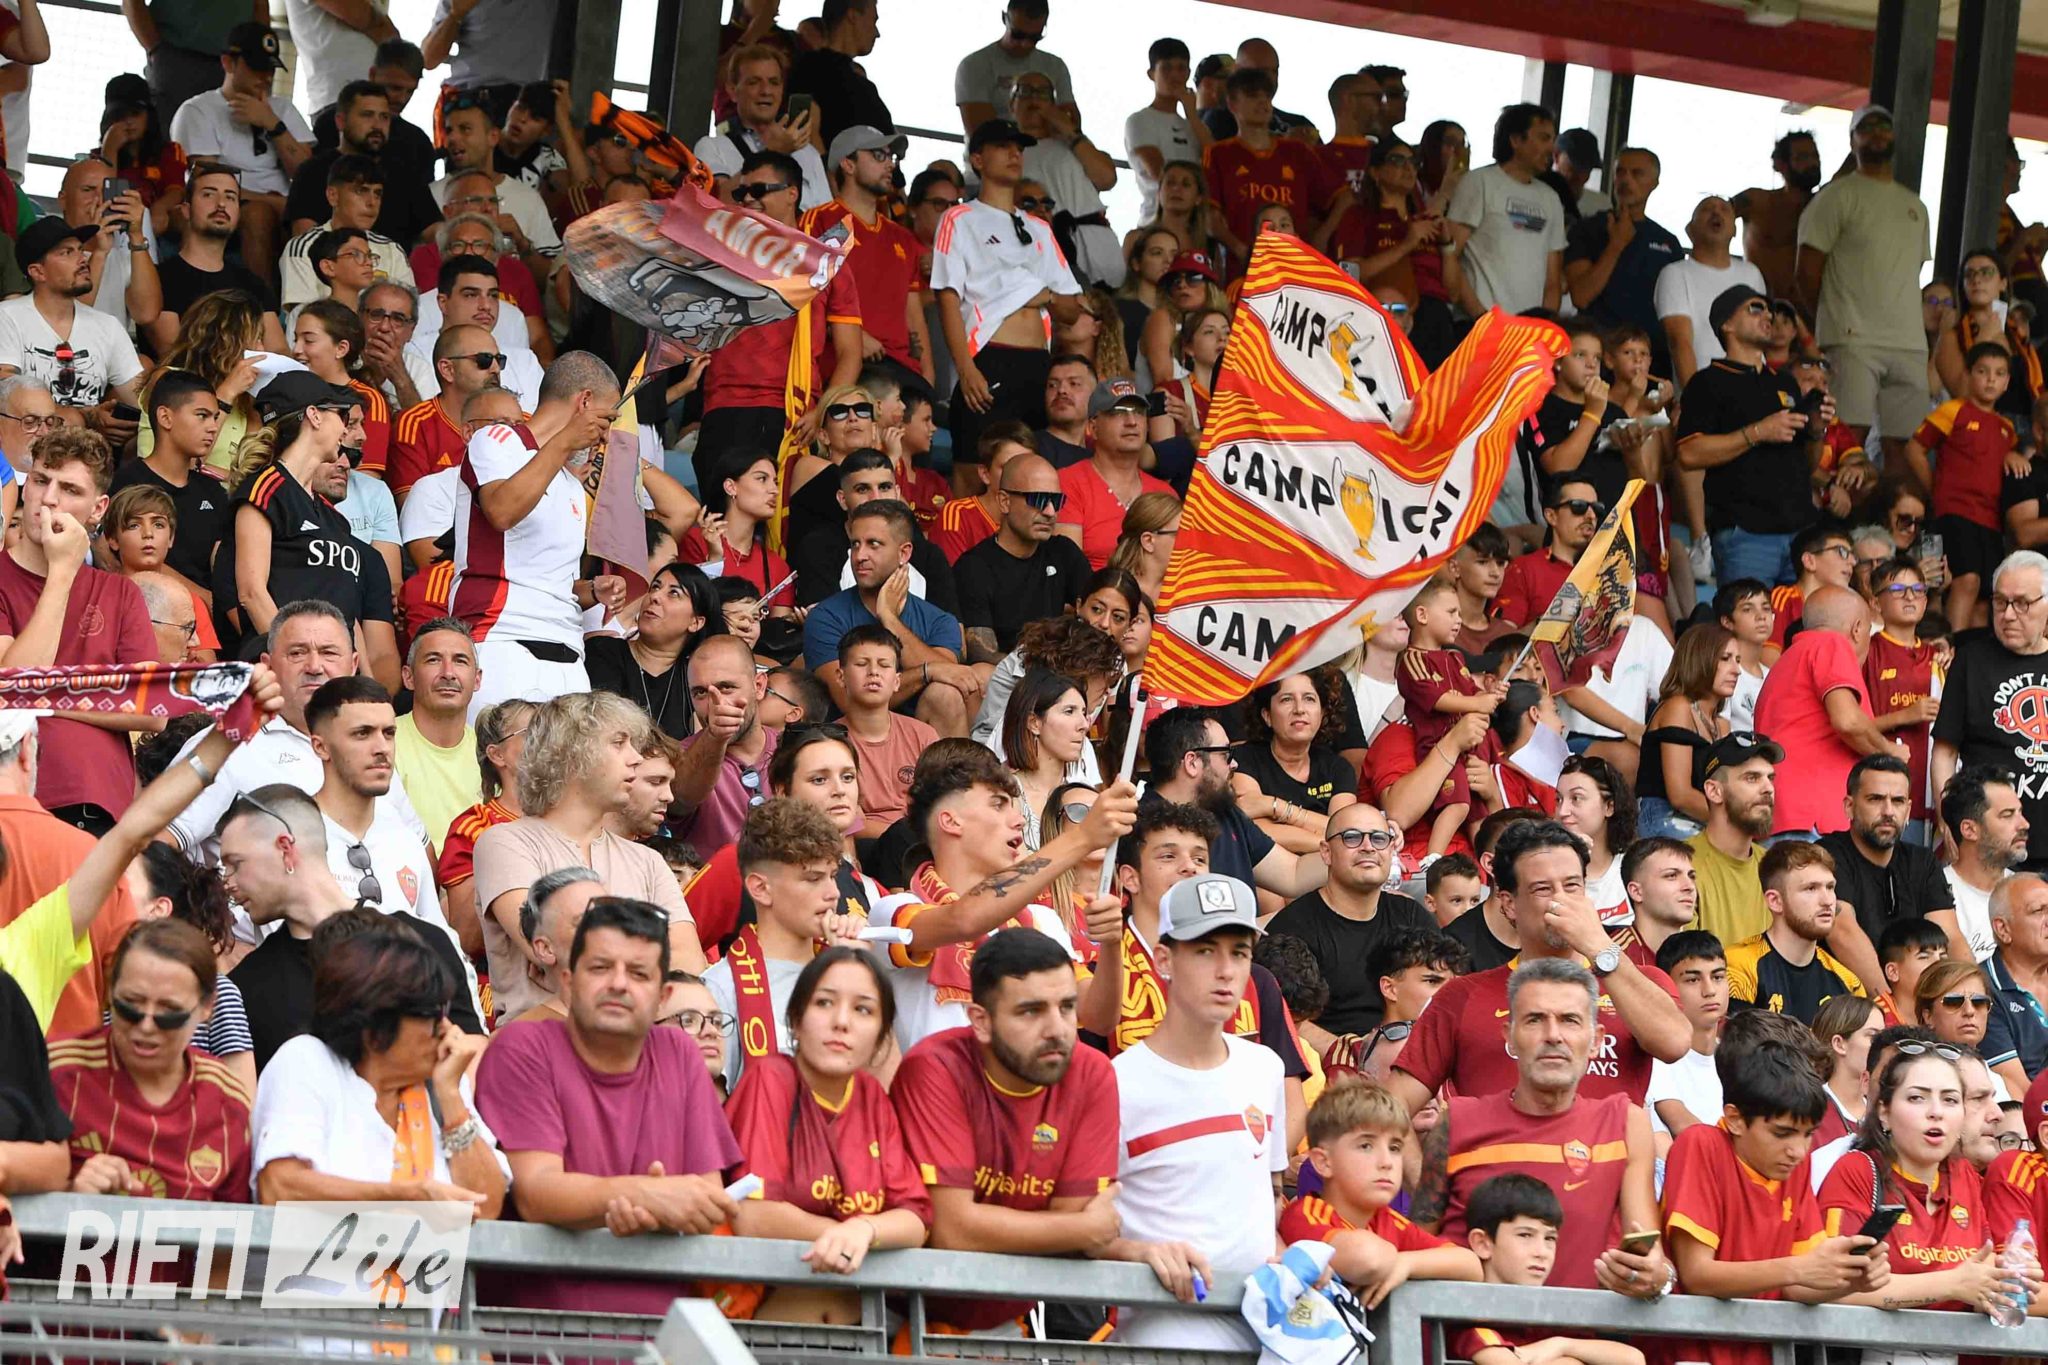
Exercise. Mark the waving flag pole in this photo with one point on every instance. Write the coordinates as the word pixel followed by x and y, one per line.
pixel 1583 627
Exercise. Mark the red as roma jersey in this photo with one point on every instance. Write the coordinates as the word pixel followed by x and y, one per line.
pixel 1943 1224
pixel 2016 1187
pixel 423 440
pixel 1896 676
pixel 832 1159
pixel 963 524
pixel 1314 1219
pixel 883 259
pixel 194 1146
pixel 1582 1154
pixel 376 428
pixel 1019 1149
pixel 1711 1196
pixel 1244 181
pixel 458 849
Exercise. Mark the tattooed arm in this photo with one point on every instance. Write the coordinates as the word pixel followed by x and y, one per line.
pixel 1432 1189
pixel 982 647
pixel 1002 896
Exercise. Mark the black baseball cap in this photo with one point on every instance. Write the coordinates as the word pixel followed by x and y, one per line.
pixel 1728 303
pixel 999 130
pixel 1732 750
pixel 296 390
pixel 255 44
pixel 45 235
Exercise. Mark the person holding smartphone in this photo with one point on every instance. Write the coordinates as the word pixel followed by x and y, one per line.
pixel 757 76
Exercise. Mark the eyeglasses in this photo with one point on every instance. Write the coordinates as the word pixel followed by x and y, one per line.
pixel 170 1021
pixel 1975 1000
pixel 1841 550
pixel 1981 272
pixel 1076 811
pixel 1940 300
pixel 1913 1047
pixel 191 628
pixel 1397 159
pixel 456 201
pixel 842 412
pixel 369 888
pixel 1578 507
pixel 487 360
pixel 1378 839
pixel 1033 204
pixel 938 201
pixel 1040 502
pixel 359 256
pixel 1906 589
pixel 389 315
pixel 758 192
pixel 2018 606
pixel 1207 749
pixel 35 424
pixel 751 780
pixel 700 1022
pixel 786 701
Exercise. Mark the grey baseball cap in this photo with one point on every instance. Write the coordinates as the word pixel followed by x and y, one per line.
pixel 1201 905
pixel 863 138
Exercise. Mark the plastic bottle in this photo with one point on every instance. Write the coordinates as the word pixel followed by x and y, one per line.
pixel 2016 1263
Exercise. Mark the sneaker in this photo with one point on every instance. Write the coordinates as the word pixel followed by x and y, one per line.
pixel 1701 553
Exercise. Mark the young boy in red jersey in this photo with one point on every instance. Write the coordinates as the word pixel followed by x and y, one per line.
pixel 1438 688
pixel 1357 1132
pixel 2016 1186
pixel 1899 670
pixel 1514 1220
pixel 1740 1219
pixel 1979 447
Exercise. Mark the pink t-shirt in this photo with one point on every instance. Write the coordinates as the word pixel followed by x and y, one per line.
pixel 538 1096
pixel 1792 711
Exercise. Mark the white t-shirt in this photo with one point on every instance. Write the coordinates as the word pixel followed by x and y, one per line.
pixel 782 977
pixel 1876 236
pixel 1376 700
pixel 372 514
pixel 1054 165
pixel 429 510
pixel 1688 289
pixel 330 53
pixel 1609 894
pixel 724 152
pixel 102 356
pixel 508 331
pixel 1166 130
pixel 205 127
pixel 1515 228
pixel 1740 708
pixel 300 283
pixel 523 202
pixel 977 255
pixel 1196 1158
pixel 1637 672
pixel 312 1106
pixel 919 1012
pixel 986 75
pixel 537 560
pixel 1823 1158
pixel 1973 915
pixel 398 861
pixel 1692 1081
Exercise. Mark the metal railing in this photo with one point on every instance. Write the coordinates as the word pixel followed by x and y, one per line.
pixel 892 1286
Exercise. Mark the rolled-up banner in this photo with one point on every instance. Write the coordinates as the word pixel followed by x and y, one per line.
pixel 166 691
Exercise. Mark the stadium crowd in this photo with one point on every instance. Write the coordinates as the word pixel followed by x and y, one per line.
pixel 1662 983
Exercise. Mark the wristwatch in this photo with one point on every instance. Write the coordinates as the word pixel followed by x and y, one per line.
pixel 1606 960
pixel 278 129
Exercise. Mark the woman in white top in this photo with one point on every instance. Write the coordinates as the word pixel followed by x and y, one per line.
pixel 374 1103
pixel 1045 729
pixel 1594 803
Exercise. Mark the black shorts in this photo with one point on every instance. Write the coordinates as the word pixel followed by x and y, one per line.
pixel 1970 548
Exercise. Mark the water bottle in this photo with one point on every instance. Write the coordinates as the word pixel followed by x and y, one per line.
pixel 2016 1263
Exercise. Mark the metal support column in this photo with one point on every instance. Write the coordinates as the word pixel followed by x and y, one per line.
pixel 1980 103
pixel 597 50
pixel 1608 112
pixel 1543 83
pixel 694 75
pixel 1902 78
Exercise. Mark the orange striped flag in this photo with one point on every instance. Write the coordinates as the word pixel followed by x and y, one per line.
pixel 1335 475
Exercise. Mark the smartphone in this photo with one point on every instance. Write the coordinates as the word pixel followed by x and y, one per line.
pixel 127 412
pixel 1155 403
pixel 1879 1225
pixel 113 187
pixel 1639 1243
pixel 1809 405
pixel 799 106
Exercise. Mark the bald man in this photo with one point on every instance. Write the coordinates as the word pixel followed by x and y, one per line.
pixel 1024 572
pixel 173 616
pixel 1813 705
pixel 724 769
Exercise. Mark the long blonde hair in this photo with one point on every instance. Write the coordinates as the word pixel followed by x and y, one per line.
pixel 254 454
pixel 1112 361
pixel 1148 513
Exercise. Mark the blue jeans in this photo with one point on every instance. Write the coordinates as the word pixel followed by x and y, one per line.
pixel 1656 816
pixel 1752 554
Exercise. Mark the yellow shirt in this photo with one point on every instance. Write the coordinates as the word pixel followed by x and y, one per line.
pixel 1731 895
pixel 441 783
pixel 39 951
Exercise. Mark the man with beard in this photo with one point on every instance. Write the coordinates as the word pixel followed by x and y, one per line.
pixel 1814 703
pixel 1351 916
pixel 1987 701
pixel 1687 289
pixel 82 355
pixel 1024 572
pixel 1770 218
pixel 1013 1127
pixel 723 770
pixel 1068 384
pixel 1539 871
pixel 647 800
pixel 1880 876
pixel 213 199
pixel 1862 242
pixel 363 121
pixel 2016 1032
pixel 1188 755
pixel 880 252
pixel 1738 777
pixel 1784 969
pixel 607 1120
pixel 1986 818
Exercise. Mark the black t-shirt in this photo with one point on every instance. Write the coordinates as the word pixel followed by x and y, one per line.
pixel 1061 454
pixel 1327 775
pixel 609 661
pixel 1483 951
pixel 1553 424
pixel 1765 489
pixel 846 98
pixel 1631 292
pixel 1994 707
pixel 29 1111
pixel 1350 733
pixel 202 506
pixel 820 562
pixel 1907 887
pixel 1342 946
pixel 185 284
pixel 312 555
pixel 1004 593
pixel 408 209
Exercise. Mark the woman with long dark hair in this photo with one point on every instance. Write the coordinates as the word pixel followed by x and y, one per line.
pixel 1595 803
pixel 1045 732
pixel 679 611
pixel 1704 669
pixel 1289 777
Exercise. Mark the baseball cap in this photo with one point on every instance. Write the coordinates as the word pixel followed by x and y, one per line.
pixel 1733 750
pixel 45 235
pixel 127 94
pixel 296 390
pixel 1194 263
pixel 1728 303
pixel 1201 905
pixel 2036 1103
pixel 1115 393
pixel 864 138
pixel 995 130
pixel 255 44
pixel 1581 146
pixel 1864 112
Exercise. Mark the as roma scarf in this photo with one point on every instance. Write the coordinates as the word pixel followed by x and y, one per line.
pixel 1143 1006
pixel 950 964
pixel 165 691
pixel 750 990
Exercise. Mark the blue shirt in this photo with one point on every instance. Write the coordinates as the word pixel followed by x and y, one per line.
pixel 844 610
pixel 2018 1026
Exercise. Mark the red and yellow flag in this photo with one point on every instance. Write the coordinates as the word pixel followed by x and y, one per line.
pixel 1335 476
pixel 1583 627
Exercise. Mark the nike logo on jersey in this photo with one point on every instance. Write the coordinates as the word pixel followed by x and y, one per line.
pixel 1571 1185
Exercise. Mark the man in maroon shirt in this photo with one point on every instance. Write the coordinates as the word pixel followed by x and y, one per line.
pixel 55 610
pixel 1458 1040
pixel 1573 510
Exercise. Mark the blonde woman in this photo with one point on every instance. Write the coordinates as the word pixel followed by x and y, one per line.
pixel 215 336
pixel 1146 543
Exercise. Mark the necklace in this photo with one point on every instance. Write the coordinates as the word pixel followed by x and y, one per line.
pixel 646 697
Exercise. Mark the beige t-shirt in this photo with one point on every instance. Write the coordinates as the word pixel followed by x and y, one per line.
pixel 1876 236
pixel 510 857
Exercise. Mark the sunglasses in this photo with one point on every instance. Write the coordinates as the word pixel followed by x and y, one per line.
pixel 751 780
pixel 1023 233
pixel 1905 519
pixel 487 360
pixel 1379 839
pixel 1032 204
pixel 1578 507
pixel 938 201
pixel 1975 1000
pixel 1948 1052
pixel 1076 811
pixel 170 1021
pixel 369 888
pixel 1018 35
pixel 1040 502
pixel 843 412
pixel 758 192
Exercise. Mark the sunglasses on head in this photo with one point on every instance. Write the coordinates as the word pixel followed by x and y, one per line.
pixel 758 192
pixel 1578 507
pixel 1378 839
pixel 1040 502
pixel 170 1021
pixel 1913 1047
pixel 840 412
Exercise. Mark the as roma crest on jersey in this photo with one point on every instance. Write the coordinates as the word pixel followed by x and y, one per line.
pixel 206 1165
pixel 1255 1122
pixel 1578 1159
pixel 1044 1138
pixel 409 885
